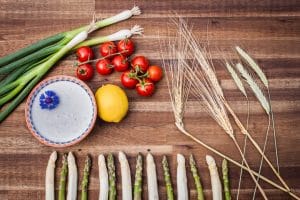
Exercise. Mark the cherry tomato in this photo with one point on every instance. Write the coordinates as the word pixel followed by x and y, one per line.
pixel 127 80
pixel 145 88
pixel 120 63
pixel 140 64
pixel 155 73
pixel 126 45
pixel 108 48
pixel 104 67
pixel 84 54
pixel 85 72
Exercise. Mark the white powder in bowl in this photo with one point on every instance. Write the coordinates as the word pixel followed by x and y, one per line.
pixel 70 119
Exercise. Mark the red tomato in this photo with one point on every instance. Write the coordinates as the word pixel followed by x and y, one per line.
pixel 85 72
pixel 120 63
pixel 155 73
pixel 126 45
pixel 108 48
pixel 140 64
pixel 104 67
pixel 145 88
pixel 128 80
pixel 84 54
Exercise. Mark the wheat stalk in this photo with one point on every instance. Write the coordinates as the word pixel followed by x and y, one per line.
pixel 264 79
pixel 241 87
pixel 216 94
pixel 250 61
pixel 263 101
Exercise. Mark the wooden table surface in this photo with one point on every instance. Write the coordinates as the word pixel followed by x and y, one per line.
pixel 269 30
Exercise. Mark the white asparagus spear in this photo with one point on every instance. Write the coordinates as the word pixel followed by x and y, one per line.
pixel 72 177
pixel 103 178
pixel 216 186
pixel 49 182
pixel 182 190
pixel 126 177
pixel 151 178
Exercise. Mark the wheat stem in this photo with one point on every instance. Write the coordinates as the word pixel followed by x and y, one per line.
pixel 274 130
pixel 250 172
pixel 244 148
pixel 182 130
pixel 262 159
pixel 244 131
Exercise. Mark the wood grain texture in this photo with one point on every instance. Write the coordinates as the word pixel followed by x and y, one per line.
pixel 268 29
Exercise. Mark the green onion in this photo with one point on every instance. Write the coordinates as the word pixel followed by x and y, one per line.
pixel 30 49
pixel 26 67
pixel 67 36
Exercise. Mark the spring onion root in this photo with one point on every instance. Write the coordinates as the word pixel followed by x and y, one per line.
pixel 216 186
pixel 138 183
pixel 126 177
pixel 199 189
pixel 63 179
pixel 167 177
pixel 103 178
pixel 182 190
pixel 49 181
pixel 226 180
pixel 72 178
pixel 111 177
pixel 85 179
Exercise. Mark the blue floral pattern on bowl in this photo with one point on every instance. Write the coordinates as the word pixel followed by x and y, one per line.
pixel 49 100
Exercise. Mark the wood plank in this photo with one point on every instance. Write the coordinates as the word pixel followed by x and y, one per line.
pixel 268 30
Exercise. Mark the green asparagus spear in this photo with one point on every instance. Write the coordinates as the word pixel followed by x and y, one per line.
pixel 170 193
pixel 137 193
pixel 63 179
pixel 111 177
pixel 196 177
pixel 85 179
pixel 226 180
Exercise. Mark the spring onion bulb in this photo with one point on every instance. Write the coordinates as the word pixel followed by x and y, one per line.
pixel 216 186
pixel 122 34
pixel 49 183
pixel 151 178
pixel 24 69
pixel 182 190
pixel 103 178
pixel 126 177
pixel 72 177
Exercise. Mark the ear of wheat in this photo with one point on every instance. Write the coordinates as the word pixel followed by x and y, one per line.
pixel 253 65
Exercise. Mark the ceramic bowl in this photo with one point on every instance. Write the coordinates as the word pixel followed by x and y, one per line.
pixel 61 111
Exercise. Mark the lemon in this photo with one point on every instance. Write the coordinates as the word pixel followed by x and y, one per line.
pixel 112 103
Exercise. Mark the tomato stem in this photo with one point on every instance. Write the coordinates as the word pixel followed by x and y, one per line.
pixel 102 58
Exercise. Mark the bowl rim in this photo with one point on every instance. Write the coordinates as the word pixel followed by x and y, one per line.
pixel 84 134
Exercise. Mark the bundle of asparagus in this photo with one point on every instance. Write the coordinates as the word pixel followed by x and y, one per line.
pixel 107 178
